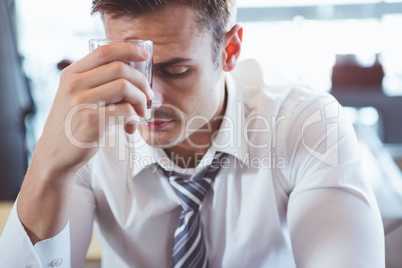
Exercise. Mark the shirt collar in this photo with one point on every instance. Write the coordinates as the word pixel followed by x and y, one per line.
pixel 231 137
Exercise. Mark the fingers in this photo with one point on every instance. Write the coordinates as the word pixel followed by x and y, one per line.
pixel 115 92
pixel 103 78
pixel 85 125
pixel 114 52
pixel 122 113
pixel 109 72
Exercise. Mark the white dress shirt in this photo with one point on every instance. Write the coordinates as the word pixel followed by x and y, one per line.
pixel 290 192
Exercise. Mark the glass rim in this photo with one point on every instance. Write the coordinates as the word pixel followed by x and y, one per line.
pixel 115 40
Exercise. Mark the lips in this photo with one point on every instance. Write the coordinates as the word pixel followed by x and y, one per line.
pixel 157 125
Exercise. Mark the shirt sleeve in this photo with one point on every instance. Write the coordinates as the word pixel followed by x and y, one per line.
pixel 66 249
pixel 333 217
pixel 17 249
pixel 82 217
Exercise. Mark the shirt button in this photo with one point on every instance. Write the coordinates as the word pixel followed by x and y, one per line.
pixel 57 262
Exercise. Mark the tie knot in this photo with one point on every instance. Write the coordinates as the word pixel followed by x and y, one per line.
pixel 191 192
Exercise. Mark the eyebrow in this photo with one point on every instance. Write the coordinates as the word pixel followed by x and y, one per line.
pixel 171 62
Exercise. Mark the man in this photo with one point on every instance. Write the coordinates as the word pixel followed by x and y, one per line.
pixel 285 191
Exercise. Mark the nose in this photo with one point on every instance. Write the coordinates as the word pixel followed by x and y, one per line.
pixel 157 99
pixel 158 93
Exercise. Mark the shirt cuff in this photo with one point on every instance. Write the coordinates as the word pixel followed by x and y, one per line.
pixel 17 250
pixel 55 251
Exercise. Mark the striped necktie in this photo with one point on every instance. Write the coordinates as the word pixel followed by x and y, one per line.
pixel 189 246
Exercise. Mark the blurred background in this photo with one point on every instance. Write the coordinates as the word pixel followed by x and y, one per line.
pixel 350 48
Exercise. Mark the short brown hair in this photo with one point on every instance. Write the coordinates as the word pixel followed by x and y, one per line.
pixel 213 15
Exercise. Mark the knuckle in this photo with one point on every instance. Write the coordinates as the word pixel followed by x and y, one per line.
pixel 72 83
pixel 64 74
pixel 76 100
pixel 117 67
pixel 101 52
pixel 90 117
pixel 122 86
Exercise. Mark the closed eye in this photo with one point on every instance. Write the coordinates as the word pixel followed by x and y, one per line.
pixel 173 68
pixel 176 75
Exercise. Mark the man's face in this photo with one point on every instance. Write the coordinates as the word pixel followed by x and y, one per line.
pixel 187 82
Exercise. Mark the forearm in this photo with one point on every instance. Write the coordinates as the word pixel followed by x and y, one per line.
pixel 44 201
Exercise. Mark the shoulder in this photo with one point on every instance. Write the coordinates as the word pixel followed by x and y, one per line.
pixel 308 127
pixel 282 97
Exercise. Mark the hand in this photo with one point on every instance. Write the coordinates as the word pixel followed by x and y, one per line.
pixel 91 91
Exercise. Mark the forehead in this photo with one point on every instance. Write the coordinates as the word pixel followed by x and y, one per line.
pixel 173 29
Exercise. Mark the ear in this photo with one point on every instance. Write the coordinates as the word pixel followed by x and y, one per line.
pixel 232 43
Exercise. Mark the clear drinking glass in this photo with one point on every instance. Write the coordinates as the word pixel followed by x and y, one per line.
pixel 144 67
